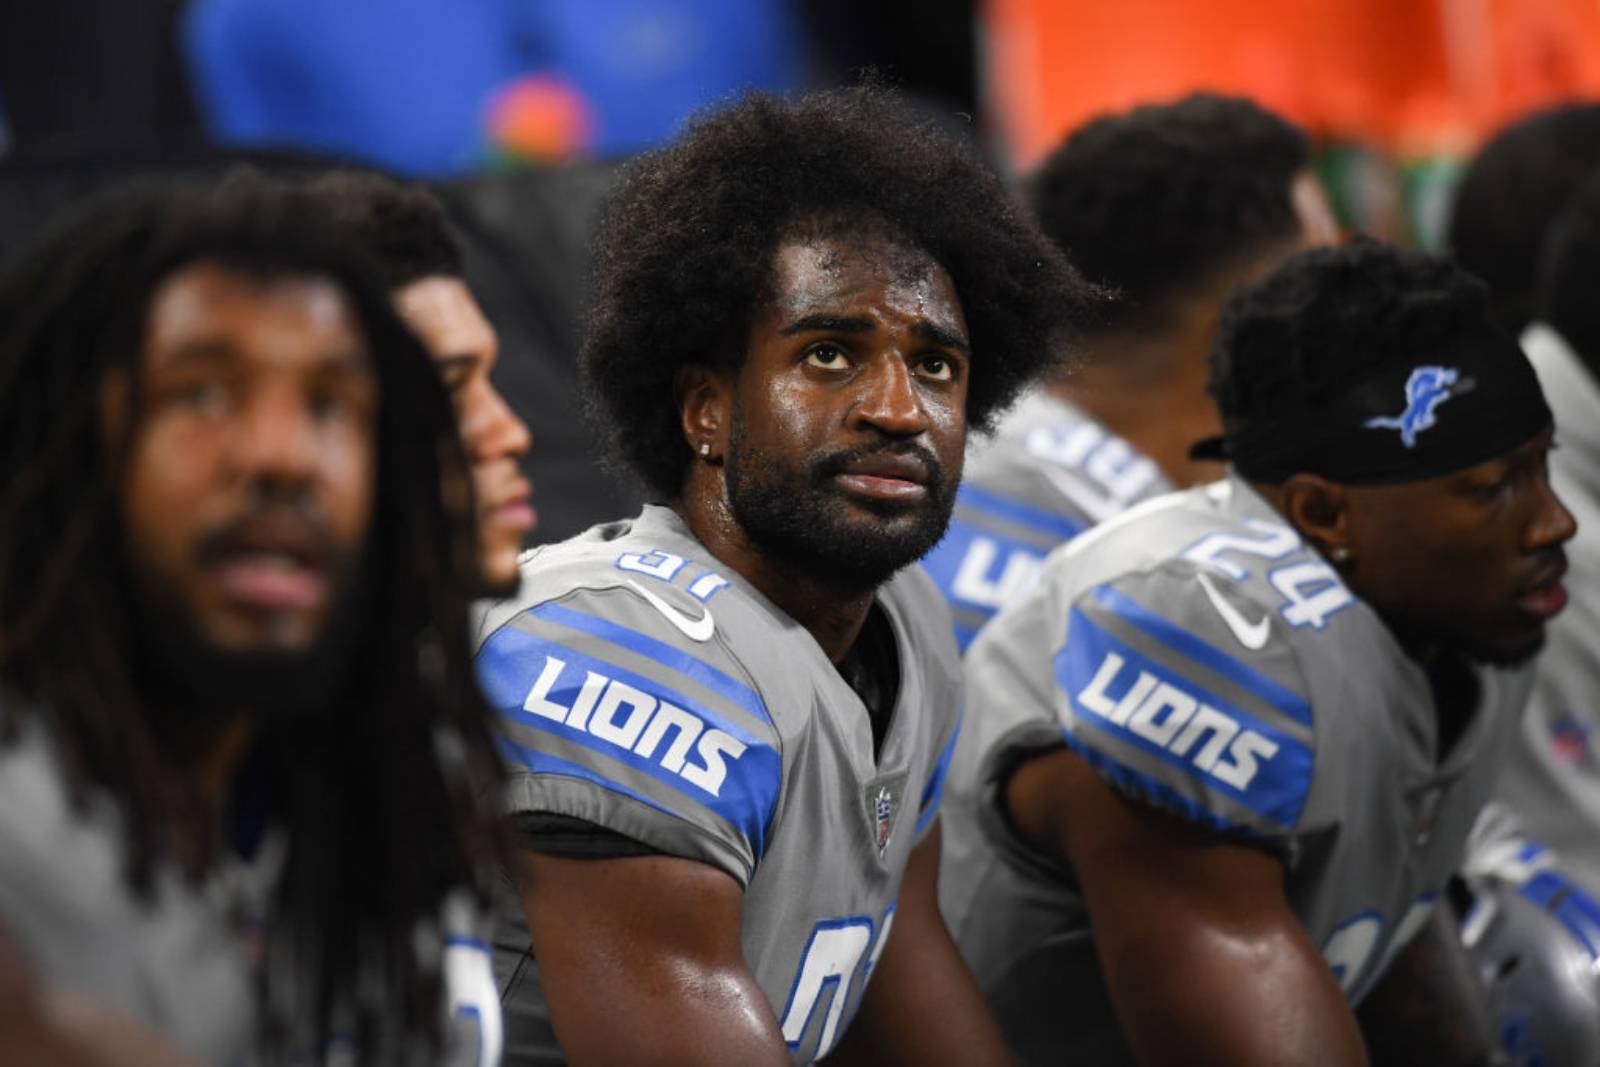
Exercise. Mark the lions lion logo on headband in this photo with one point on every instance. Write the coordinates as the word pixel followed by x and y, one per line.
pixel 1426 389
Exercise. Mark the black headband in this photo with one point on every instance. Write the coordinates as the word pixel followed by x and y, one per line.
pixel 1460 407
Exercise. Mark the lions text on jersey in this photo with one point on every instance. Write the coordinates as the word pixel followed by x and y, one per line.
pixel 1203 659
pixel 1049 473
pixel 644 689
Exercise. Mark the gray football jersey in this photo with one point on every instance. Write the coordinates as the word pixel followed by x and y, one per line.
pixel 174 963
pixel 1048 473
pixel 1203 659
pixel 645 688
pixel 185 962
pixel 1552 780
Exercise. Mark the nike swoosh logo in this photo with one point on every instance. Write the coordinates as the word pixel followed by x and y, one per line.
pixel 1252 635
pixel 699 629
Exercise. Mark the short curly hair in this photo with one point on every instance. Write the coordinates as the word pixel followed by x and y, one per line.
pixel 1567 276
pixel 1511 193
pixel 1160 199
pixel 1332 316
pixel 685 253
pixel 401 228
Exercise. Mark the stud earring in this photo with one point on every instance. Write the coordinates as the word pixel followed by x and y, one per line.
pixel 1339 554
pixel 705 448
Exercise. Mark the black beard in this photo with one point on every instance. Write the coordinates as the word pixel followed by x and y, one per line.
pixel 191 686
pixel 797 516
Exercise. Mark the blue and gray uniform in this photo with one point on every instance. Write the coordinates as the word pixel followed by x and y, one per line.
pixel 1049 473
pixel 1203 659
pixel 647 690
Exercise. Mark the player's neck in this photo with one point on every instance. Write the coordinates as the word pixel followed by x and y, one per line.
pixel 1149 389
pixel 832 616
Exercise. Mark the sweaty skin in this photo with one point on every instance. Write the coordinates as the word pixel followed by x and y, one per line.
pixel 854 348
pixel 858 346
pixel 1180 914
pixel 446 318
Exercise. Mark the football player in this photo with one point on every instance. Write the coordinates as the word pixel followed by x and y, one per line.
pixel 729 718
pixel 403 229
pixel 1171 206
pixel 1222 762
pixel 243 745
pixel 1553 780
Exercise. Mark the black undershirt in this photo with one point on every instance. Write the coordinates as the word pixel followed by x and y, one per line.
pixel 871 668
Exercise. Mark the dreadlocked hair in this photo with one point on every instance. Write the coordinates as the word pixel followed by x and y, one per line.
pixel 385 792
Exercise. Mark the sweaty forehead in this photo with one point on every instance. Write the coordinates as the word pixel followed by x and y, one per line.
pixel 843 276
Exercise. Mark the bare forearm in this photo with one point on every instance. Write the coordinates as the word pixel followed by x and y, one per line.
pixel 1429 1007
pixel 922 1005
pixel 1221 999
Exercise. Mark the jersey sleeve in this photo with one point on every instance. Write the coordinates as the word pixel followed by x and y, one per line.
pixel 994 549
pixel 1182 691
pixel 610 714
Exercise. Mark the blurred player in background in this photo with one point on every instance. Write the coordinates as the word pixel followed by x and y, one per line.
pixel 243 745
pixel 730 717
pixel 1512 191
pixel 1171 206
pixel 1553 781
pixel 1533 921
pixel 403 229
pixel 1222 762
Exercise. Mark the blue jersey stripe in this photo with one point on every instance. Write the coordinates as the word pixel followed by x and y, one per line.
pixel 512 660
pixel 1276 790
pixel 544 763
pixel 667 655
pixel 1004 507
pixel 1576 910
pixel 1206 654
pixel 1137 783
pixel 933 792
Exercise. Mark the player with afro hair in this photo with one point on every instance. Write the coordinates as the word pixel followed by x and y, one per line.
pixel 685 252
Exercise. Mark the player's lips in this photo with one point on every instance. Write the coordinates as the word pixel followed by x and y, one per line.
pixel 886 476
pixel 1546 595
pixel 271 566
pixel 514 509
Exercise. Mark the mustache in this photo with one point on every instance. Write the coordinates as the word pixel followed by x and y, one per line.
pixel 280 526
pixel 841 460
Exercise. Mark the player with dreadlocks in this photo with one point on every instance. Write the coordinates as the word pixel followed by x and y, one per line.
pixel 235 564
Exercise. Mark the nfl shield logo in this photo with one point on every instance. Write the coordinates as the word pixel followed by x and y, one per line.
pixel 883 808
pixel 884 798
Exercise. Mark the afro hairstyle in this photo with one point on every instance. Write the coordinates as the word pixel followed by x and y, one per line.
pixel 1511 193
pixel 401 228
pixel 1156 201
pixel 685 253
pixel 1330 317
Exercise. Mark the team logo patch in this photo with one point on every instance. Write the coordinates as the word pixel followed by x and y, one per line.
pixel 1569 740
pixel 885 797
pixel 1426 389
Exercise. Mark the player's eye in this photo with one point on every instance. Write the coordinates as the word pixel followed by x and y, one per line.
pixel 203 396
pixel 826 357
pixel 938 368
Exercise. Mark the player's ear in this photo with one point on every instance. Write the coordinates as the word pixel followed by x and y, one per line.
pixel 704 396
pixel 1320 510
